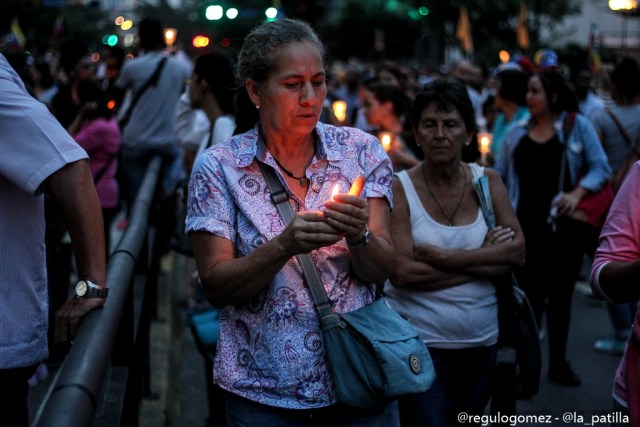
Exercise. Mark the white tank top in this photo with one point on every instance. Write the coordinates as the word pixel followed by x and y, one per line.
pixel 459 317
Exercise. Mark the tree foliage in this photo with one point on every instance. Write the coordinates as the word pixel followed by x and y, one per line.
pixel 493 24
pixel 370 29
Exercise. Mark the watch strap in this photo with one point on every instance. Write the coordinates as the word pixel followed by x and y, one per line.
pixel 92 290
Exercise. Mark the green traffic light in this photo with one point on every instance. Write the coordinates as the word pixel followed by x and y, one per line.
pixel 110 39
pixel 423 10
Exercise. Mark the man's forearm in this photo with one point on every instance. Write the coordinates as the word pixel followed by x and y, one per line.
pixel 74 192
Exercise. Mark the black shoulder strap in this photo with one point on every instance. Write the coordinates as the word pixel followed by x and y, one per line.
pixel 153 80
pixel 280 199
pixel 103 169
pixel 621 128
pixel 567 128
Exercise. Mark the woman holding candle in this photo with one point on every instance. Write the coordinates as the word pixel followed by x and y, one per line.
pixel 270 358
pixel 445 257
pixel 531 163
pixel 386 107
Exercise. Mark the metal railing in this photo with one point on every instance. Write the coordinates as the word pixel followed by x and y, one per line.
pixel 103 369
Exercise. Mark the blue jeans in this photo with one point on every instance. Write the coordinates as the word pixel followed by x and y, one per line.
pixel 242 412
pixel 622 316
pixel 462 384
pixel 133 166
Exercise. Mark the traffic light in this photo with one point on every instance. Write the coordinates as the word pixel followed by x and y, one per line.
pixel 200 41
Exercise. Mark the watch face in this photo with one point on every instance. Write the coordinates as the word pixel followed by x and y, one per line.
pixel 81 288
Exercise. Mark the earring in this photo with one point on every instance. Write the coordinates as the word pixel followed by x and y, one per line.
pixel 257 106
pixel 468 142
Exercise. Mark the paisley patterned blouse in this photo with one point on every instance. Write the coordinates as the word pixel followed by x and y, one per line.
pixel 270 348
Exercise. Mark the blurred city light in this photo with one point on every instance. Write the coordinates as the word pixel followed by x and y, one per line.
pixel 271 13
pixel 200 41
pixel 232 13
pixel 504 56
pixel 110 39
pixel 170 36
pixel 126 25
pixel 119 20
pixel 214 12
pixel 624 5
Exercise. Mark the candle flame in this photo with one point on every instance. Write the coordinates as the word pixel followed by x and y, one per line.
pixel 340 109
pixel 336 190
pixel 484 142
pixel 385 140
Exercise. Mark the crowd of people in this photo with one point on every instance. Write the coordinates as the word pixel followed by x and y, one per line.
pixel 416 233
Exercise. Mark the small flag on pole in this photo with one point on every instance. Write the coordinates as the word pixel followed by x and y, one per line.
pixel 17 32
pixel 522 34
pixel 463 31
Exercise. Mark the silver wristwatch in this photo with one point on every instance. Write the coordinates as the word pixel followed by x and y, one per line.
pixel 365 239
pixel 88 289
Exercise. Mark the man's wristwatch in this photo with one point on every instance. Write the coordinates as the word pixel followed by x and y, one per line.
pixel 88 289
pixel 365 239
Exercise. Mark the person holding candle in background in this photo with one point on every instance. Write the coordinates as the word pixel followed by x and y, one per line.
pixel 445 258
pixel 531 165
pixel 270 359
pixel 386 107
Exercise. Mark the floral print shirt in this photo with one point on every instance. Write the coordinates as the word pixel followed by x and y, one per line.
pixel 270 348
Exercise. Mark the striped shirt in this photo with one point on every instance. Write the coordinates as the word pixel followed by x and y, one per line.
pixel 34 145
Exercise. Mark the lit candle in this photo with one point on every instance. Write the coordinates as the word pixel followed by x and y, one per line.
pixel 386 138
pixel 340 110
pixel 484 145
pixel 336 190
pixel 356 187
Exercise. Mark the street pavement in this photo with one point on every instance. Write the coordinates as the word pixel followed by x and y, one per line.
pixel 589 323
pixel 178 375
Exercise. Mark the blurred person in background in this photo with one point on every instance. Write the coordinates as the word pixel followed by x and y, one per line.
pixel 42 84
pixel 445 257
pixel 615 276
pixel 619 131
pixel 531 165
pixel 387 107
pixel 589 103
pixel 74 65
pixel 511 92
pixel 96 130
pixel 151 127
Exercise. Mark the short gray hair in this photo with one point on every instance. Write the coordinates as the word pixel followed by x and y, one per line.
pixel 257 56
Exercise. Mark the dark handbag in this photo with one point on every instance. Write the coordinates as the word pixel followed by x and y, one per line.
pixel 124 120
pixel 519 355
pixel 180 240
pixel 373 353
pixel 518 336
pixel 633 157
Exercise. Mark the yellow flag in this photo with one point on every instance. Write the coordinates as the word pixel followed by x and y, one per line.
pixel 522 34
pixel 17 32
pixel 463 31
